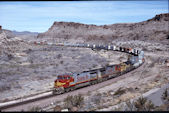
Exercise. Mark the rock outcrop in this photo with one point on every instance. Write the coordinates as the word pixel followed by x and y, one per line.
pixel 9 34
pixel 155 29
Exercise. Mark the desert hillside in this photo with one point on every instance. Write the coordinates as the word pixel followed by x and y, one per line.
pixel 23 65
pixel 152 30
pixel 31 69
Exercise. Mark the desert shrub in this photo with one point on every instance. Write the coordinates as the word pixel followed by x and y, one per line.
pixel 10 56
pixel 56 65
pixel 130 89
pixel 59 56
pixel 149 106
pixel 120 91
pixel 5 87
pixel 130 106
pixel 61 62
pixel 74 101
pixel 36 108
pixel 96 99
pixel 165 99
pixel 152 65
pixel 142 104
pixel 78 100
pixel 31 61
pixel 165 94
pixel 28 51
pixel 158 49
pixel 136 37
pixel 144 49
pixel 94 65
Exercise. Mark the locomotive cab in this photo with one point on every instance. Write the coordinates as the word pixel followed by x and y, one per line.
pixel 62 80
pixel 61 83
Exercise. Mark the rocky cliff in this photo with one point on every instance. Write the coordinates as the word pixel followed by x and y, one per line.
pixel 155 29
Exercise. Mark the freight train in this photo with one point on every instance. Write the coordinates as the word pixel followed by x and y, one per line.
pixel 72 81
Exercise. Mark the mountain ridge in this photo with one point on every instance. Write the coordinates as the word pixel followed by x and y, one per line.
pixel 155 29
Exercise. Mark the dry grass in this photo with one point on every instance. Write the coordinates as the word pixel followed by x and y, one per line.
pixel 119 92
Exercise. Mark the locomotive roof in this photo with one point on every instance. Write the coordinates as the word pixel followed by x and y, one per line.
pixel 65 74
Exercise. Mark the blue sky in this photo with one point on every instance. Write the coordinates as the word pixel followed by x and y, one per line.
pixel 39 16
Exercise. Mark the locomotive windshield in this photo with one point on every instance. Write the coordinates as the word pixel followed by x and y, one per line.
pixel 61 77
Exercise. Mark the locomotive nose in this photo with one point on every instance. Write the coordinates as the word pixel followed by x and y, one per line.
pixel 56 80
pixel 55 83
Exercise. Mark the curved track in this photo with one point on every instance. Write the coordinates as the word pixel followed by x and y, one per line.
pixel 47 97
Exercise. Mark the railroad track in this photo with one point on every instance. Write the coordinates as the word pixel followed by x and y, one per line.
pixel 49 94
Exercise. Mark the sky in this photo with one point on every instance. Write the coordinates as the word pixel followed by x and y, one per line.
pixel 40 15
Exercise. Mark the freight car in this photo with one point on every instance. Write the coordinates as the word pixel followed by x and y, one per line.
pixel 68 82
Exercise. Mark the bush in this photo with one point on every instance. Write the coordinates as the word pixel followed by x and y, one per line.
pixel 141 104
pixel 10 56
pixel 79 99
pixel 94 65
pixel 36 108
pixel 74 101
pixel 59 56
pixel 96 99
pixel 165 99
pixel 120 91
pixel 165 94
pixel 61 62
pixel 5 87
pixel 28 51
pixel 130 105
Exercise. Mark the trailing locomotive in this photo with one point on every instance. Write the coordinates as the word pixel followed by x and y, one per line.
pixel 68 82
